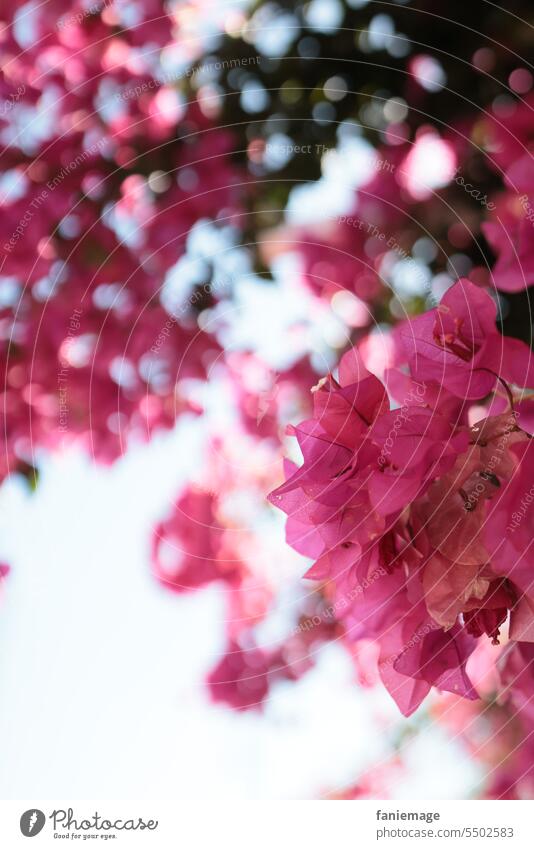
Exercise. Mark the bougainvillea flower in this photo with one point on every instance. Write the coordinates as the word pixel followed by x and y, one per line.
pixel 240 679
pixel 508 533
pixel 509 232
pixel 188 548
pixel 516 668
pixel 458 346
pixel 411 514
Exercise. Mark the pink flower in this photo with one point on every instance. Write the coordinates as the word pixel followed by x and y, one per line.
pixel 188 549
pixel 508 533
pixel 516 667
pixel 240 679
pixel 409 512
pixel 510 232
pixel 458 346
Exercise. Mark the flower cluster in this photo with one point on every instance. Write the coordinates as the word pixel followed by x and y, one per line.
pixel 99 193
pixel 188 548
pixel 423 492
pixel 509 230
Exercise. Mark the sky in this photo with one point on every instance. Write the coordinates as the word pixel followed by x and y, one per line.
pixel 101 669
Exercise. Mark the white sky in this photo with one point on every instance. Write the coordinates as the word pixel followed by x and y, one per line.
pixel 101 669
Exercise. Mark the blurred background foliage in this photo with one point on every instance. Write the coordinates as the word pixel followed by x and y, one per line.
pixel 304 76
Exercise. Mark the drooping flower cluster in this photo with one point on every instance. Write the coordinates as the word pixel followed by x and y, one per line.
pixel 188 548
pixel 509 230
pixel 408 511
pixel 206 541
pixel 106 170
